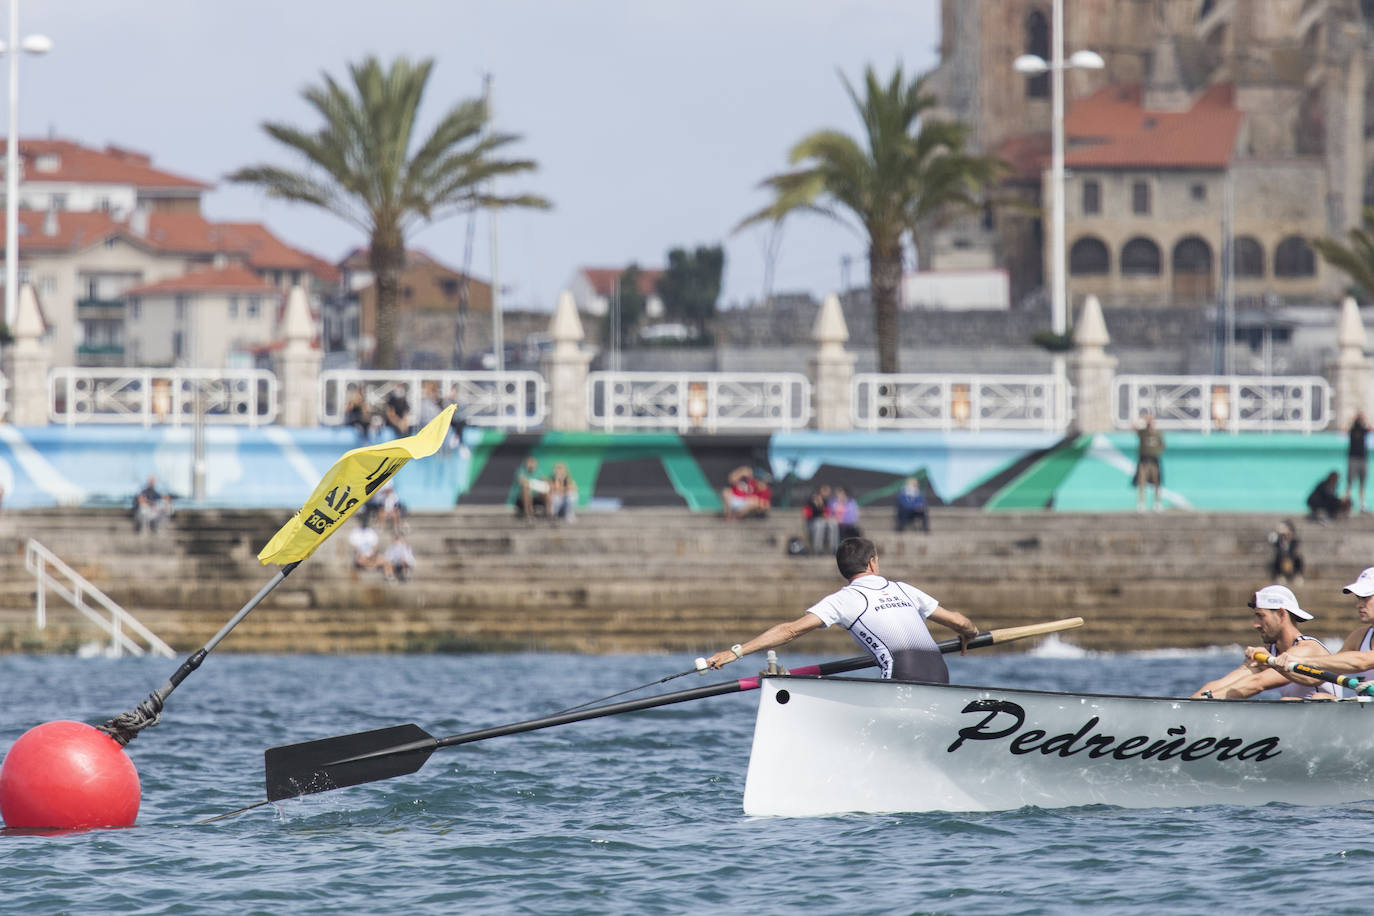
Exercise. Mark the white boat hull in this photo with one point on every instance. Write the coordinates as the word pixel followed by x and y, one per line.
pixel 835 745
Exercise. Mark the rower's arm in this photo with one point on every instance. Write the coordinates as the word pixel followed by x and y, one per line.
pixel 956 622
pixel 771 638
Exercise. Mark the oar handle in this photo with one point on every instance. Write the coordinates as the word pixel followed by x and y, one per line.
pixel 1348 681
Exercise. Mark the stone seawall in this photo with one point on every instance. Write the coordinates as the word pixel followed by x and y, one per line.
pixel 653 580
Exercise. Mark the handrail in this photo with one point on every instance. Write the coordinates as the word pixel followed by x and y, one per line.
pixel 37 558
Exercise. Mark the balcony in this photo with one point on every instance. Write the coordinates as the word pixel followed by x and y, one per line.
pixel 100 355
pixel 92 309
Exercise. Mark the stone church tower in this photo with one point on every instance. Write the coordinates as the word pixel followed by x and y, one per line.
pixel 1247 115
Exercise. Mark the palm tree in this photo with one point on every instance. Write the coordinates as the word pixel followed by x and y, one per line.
pixel 906 173
pixel 364 167
pixel 1355 259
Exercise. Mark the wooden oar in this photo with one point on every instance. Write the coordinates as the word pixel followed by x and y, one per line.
pixel 1348 681
pixel 350 760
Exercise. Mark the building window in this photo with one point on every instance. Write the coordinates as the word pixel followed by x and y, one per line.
pixel 47 284
pixel 59 202
pixel 1198 191
pixel 1140 258
pixel 254 306
pixel 1192 255
pixel 176 345
pixel 1294 258
pixel 135 309
pixel 1089 257
pixel 1140 198
pixel 181 308
pixel 1038 43
pixel 1092 197
pixel 102 204
pixel 110 242
pixel 233 306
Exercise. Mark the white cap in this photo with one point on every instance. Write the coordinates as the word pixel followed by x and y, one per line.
pixel 1363 586
pixel 1281 598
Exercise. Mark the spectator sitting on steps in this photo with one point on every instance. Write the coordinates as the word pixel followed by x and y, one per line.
pixel 364 541
pixel 533 491
pixel 1324 503
pixel 562 494
pixel 400 560
pixel 821 530
pixel 845 510
pixel 151 508
pixel 911 505
pixel 745 496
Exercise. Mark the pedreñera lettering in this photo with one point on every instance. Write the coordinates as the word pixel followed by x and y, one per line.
pixel 1003 719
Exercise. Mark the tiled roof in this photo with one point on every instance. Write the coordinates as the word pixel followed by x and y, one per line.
pixel 232 279
pixel 1027 155
pixel 167 231
pixel 1111 129
pixel 72 162
pixel 602 279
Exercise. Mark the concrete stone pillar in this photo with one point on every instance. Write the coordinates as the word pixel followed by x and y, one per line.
pixel 832 369
pixel 27 364
pixel 300 364
pixel 1350 374
pixel 1091 371
pixel 566 368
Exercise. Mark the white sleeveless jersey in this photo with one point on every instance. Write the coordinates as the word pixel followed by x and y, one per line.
pixel 885 617
pixel 1302 691
pixel 1364 647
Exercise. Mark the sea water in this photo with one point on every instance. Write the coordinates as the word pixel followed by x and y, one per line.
pixel 636 813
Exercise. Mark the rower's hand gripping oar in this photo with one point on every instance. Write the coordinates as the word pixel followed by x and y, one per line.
pixel 346 487
pixel 350 760
pixel 1348 681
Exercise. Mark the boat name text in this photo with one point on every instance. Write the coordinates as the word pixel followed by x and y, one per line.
pixel 1003 719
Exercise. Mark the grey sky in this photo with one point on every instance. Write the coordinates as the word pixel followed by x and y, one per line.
pixel 652 121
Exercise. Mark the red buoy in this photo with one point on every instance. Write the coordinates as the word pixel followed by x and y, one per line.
pixel 68 774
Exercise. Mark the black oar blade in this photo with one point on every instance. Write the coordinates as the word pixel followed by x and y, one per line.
pixel 348 760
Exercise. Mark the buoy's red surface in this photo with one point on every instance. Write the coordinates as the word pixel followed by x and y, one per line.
pixel 68 774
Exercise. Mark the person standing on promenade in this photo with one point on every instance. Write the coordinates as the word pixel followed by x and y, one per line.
pixel 1357 460
pixel 887 618
pixel 1147 470
pixel 1356 654
pixel 1276 618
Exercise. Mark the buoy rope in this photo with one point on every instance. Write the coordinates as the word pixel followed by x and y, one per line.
pixel 126 726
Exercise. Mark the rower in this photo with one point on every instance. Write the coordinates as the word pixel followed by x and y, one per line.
pixel 886 617
pixel 1356 654
pixel 1276 618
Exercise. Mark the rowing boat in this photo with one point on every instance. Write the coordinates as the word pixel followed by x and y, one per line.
pixel 831 745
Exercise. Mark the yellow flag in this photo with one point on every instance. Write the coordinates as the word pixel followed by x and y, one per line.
pixel 349 483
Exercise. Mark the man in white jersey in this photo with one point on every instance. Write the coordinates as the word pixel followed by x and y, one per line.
pixel 1276 618
pixel 1356 654
pixel 885 617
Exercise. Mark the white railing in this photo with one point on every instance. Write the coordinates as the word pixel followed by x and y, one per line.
pixel 510 400
pixel 957 402
pixel 241 397
pixel 73 588
pixel 1224 403
pixel 705 402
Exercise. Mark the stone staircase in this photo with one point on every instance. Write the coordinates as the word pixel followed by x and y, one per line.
pixel 668 580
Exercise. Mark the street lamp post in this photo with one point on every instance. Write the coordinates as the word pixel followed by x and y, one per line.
pixel 1034 65
pixel 33 44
